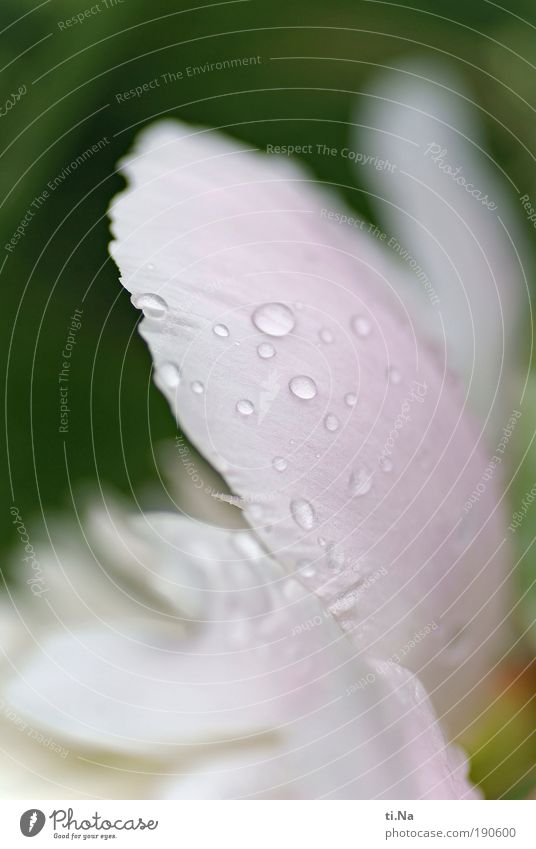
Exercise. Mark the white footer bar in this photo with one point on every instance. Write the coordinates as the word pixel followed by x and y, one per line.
pixel 270 824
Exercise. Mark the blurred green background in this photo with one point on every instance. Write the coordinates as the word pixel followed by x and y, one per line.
pixel 71 78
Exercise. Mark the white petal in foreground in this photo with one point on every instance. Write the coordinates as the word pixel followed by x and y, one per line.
pixel 260 696
pixel 349 445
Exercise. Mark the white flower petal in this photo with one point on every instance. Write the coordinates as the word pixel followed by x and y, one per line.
pixel 465 237
pixel 263 696
pixel 369 512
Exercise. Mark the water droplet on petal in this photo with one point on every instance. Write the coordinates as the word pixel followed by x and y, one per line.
pixel 321 542
pixel 326 336
pixel 303 387
pixel 292 590
pixel 360 482
pixel 153 306
pixel 273 319
pixel 245 407
pixel 394 375
pixel 350 399
pixel 150 266
pixel 344 603
pixel 239 634
pixel 303 513
pixel 220 330
pixel 361 326
pixel 170 374
pixel 266 351
pixel 306 569
pixel 280 464
pixel 336 557
pixel 197 387
pixel 386 464
pixel 331 422
pixel 255 511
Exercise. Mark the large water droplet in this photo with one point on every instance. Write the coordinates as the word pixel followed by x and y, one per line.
pixel 170 374
pixel 280 464
pixel 153 306
pixel 245 407
pixel 220 330
pixel 360 481
pixel 326 336
pixel 331 422
pixel 361 326
pixel 273 319
pixel 303 387
pixel 197 387
pixel 303 513
pixel 350 399
pixel 266 351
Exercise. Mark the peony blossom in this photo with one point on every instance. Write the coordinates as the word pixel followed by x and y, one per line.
pixel 332 647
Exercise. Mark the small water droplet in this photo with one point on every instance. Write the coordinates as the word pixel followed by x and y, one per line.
pixel 280 464
pixel 361 326
pixel 239 634
pixel 292 590
pixel 331 422
pixel 336 557
pixel 326 336
pixel 303 513
pixel 197 387
pixel 153 306
pixel 255 511
pixel 220 330
pixel 344 603
pixel 393 375
pixel 321 542
pixel 266 351
pixel 360 482
pixel 170 374
pixel 306 569
pixel 273 319
pixel 386 464
pixel 350 399
pixel 245 407
pixel 150 266
pixel 303 387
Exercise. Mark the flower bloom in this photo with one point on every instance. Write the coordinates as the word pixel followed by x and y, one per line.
pixel 310 654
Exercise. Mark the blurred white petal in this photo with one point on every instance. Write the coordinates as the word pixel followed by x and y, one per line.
pixel 262 682
pixel 467 240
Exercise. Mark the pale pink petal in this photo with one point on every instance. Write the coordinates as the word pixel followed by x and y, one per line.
pixel 450 223
pixel 350 448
